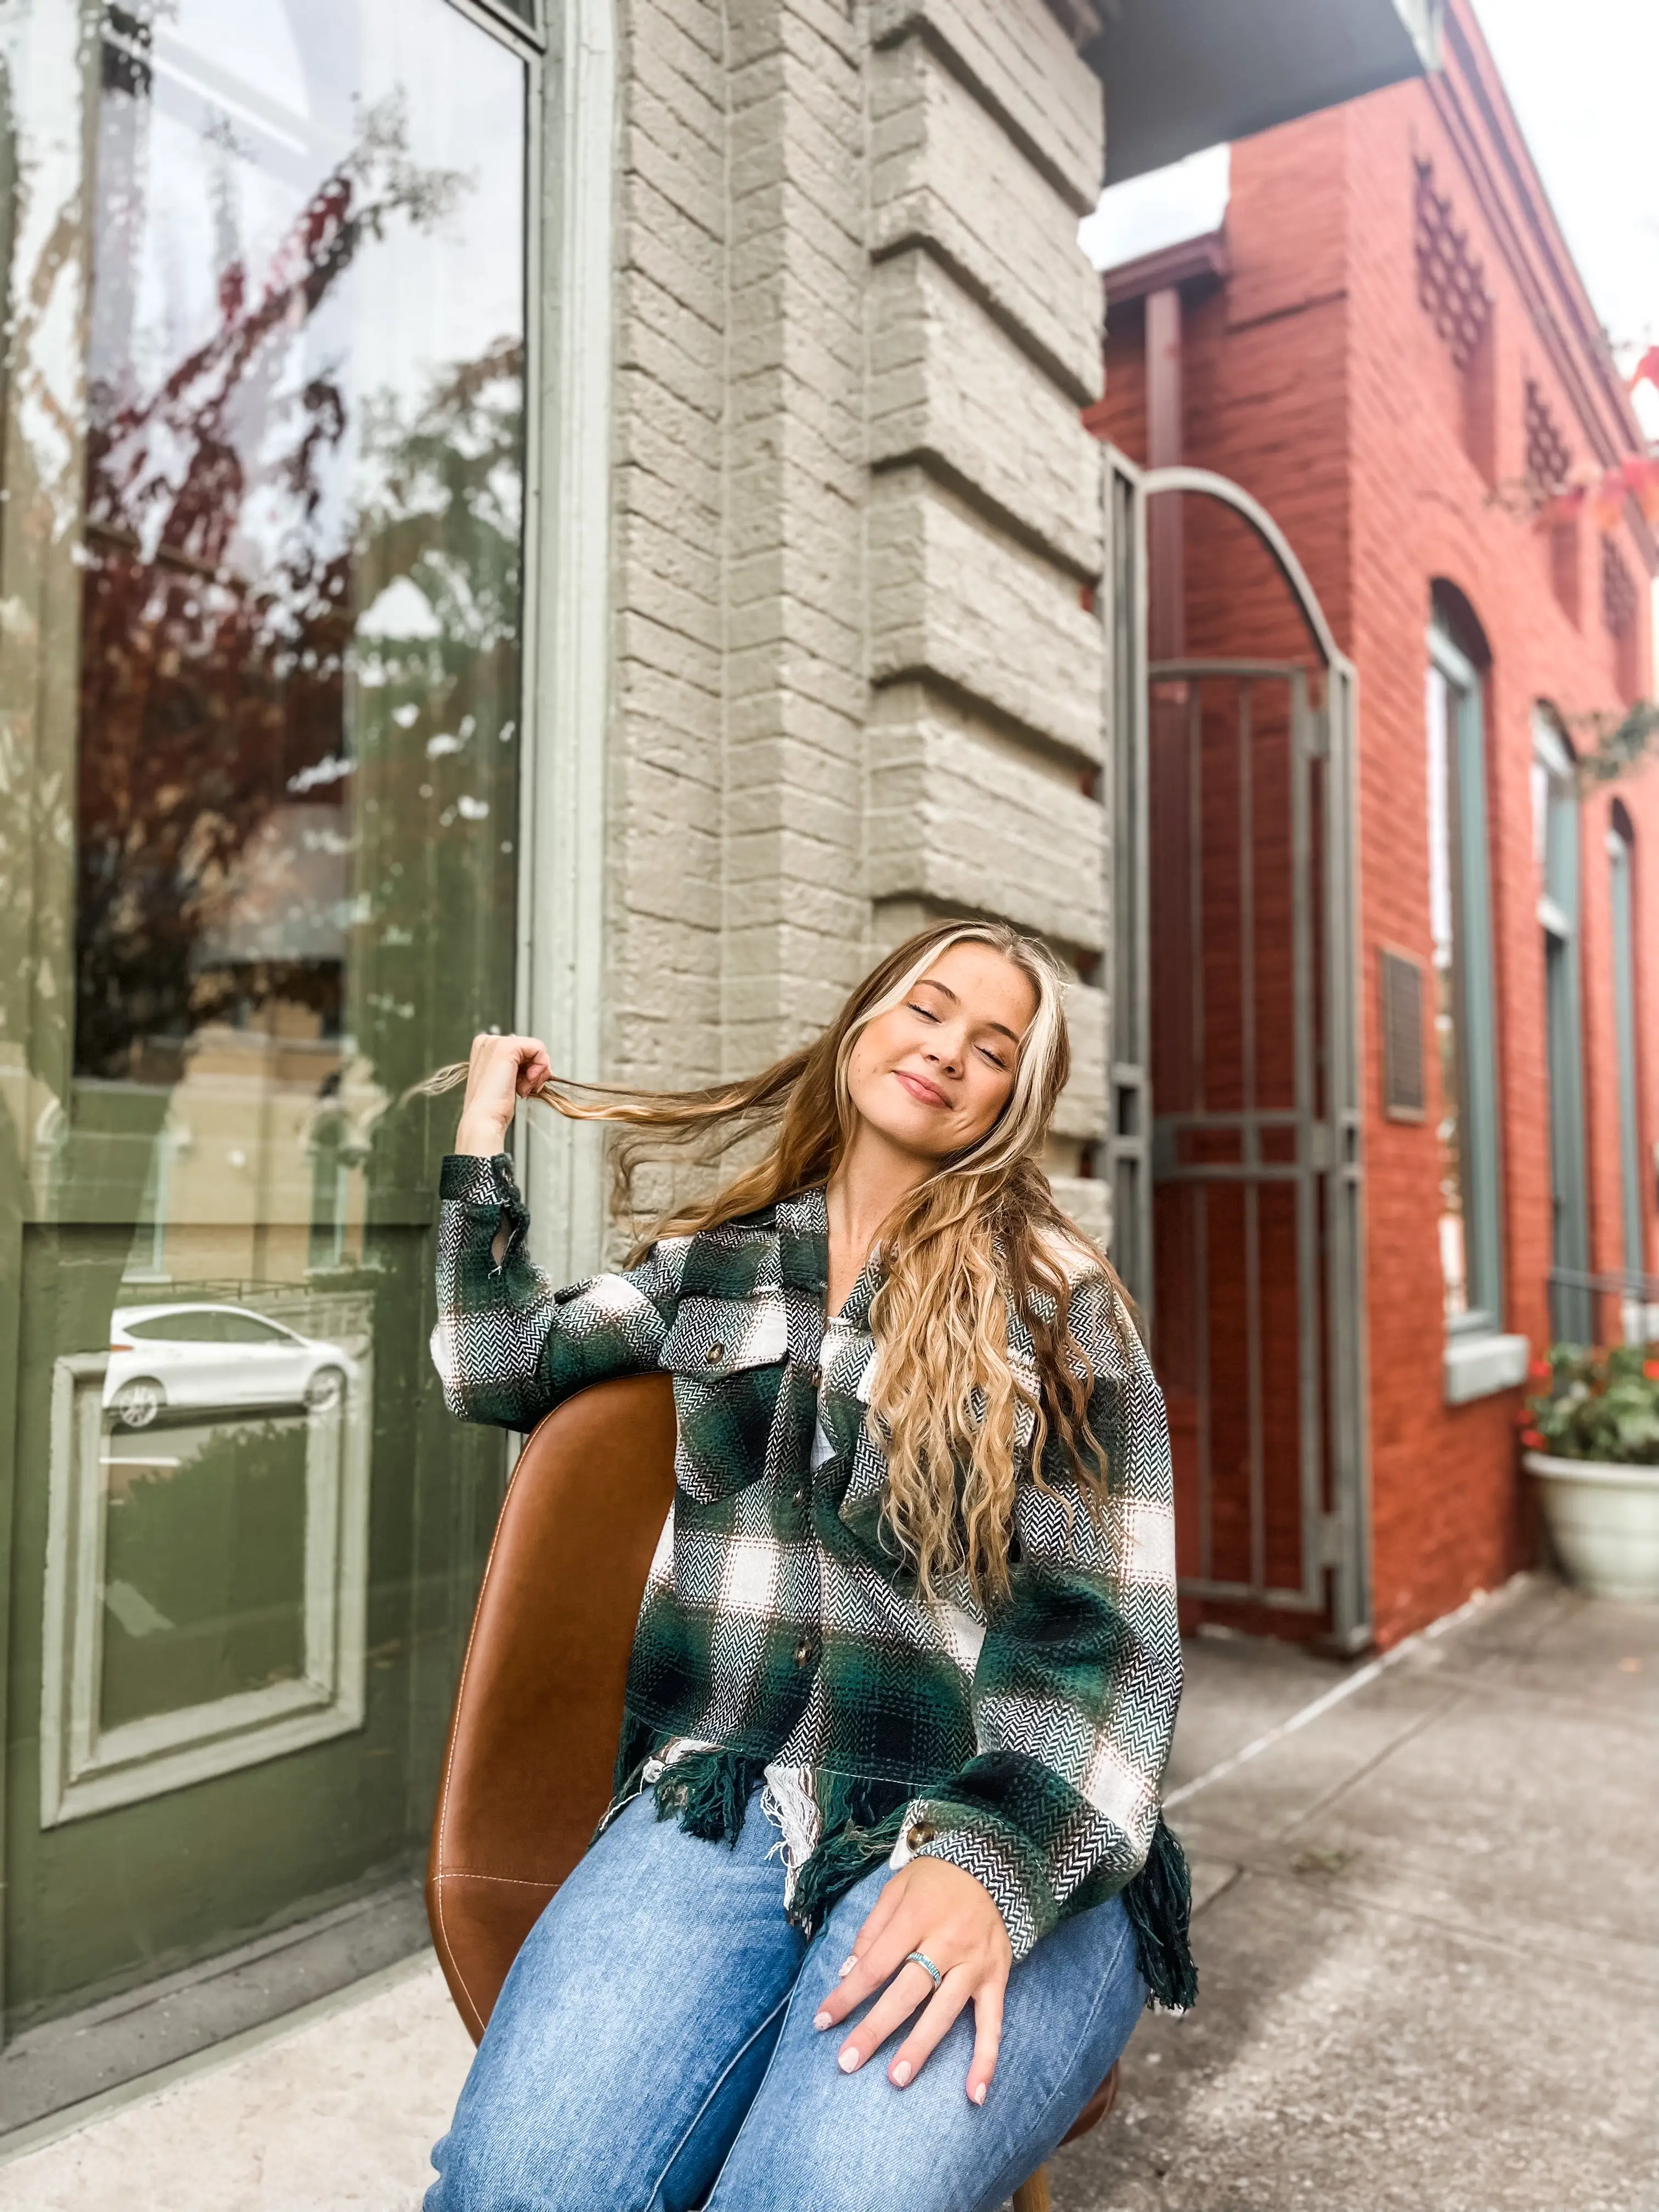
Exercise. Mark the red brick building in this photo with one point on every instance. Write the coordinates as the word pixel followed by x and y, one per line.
pixel 1387 344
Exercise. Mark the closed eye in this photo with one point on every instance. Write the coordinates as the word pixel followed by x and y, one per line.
pixel 928 1015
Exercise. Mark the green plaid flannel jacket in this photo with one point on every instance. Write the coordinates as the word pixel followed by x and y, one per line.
pixel 779 1623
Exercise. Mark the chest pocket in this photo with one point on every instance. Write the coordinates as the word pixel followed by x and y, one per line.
pixel 727 1357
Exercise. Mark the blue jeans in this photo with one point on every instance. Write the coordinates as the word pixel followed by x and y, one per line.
pixel 653 2049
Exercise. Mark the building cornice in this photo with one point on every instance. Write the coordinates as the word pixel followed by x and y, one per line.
pixel 1473 107
pixel 1191 261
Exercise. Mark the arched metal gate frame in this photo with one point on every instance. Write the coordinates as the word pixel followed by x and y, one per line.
pixel 1315 1146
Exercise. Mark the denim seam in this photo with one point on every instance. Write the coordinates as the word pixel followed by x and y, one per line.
pixel 714 2088
pixel 760 2090
pixel 1126 1935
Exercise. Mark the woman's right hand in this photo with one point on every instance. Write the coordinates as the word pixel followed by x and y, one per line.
pixel 500 1070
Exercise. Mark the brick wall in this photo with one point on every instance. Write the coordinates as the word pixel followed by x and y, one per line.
pixel 1315 378
pixel 857 520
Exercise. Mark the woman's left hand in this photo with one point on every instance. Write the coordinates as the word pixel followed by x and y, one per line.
pixel 931 1906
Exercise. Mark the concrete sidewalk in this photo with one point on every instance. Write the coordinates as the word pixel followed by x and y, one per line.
pixel 1429 1946
pixel 1427 1937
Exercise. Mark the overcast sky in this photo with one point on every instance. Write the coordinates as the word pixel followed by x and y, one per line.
pixel 1584 82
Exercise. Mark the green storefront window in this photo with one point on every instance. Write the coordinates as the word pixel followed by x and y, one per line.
pixel 261 563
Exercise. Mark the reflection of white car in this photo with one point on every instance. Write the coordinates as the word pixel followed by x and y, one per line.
pixel 185 1358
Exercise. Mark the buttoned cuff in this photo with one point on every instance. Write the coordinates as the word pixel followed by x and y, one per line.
pixel 982 1848
pixel 476 1181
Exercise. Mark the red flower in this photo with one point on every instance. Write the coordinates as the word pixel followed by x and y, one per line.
pixel 1533 1439
pixel 1651 1369
pixel 1540 1371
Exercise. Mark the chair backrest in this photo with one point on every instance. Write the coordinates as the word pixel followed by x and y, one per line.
pixel 537 1713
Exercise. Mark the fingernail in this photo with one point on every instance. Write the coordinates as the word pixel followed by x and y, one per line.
pixel 820 2019
pixel 848 2059
pixel 902 2073
pixel 848 1966
pixel 979 2093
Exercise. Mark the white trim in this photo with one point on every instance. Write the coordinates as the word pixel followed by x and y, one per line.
pixel 562 845
pixel 1483 1362
pixel 1452 662
pixel 1601 1473
pixel 86 1768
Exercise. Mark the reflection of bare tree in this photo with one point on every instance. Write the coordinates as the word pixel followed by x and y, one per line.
pixel 434 702
pixel 40 474
pixel 207 695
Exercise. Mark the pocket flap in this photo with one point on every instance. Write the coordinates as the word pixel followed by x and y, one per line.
pixel 713 1337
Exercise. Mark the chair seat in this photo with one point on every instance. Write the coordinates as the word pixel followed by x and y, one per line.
pixel 1097 2108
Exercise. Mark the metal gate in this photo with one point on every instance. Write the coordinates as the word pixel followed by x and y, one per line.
pixel 1235 1151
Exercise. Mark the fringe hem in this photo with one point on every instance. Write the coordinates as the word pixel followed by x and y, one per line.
pixel 1160 1904
pixel 708 1791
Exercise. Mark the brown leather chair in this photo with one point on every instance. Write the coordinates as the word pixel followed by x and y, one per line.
pixel 537 1712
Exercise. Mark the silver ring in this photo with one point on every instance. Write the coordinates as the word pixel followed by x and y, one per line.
pixel 921 1959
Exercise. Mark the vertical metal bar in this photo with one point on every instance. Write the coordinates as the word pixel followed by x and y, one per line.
pixel 1198 1101
pixel 1201 1380
pixel 1346 1318
pixel 1196 1105
pixel 1128 1134
pixel 1308 1160
pixel 1144 1102
pixel 1251 1146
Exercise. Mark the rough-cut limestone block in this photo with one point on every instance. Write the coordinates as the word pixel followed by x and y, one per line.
pixel 1088 1200
pixel 944 171
pixel 1025 63
pixel 1082 1109
pixel 958 818
pixel 947 383
pixel 952 596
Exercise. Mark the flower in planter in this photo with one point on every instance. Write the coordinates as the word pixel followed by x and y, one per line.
pixel 1602 1404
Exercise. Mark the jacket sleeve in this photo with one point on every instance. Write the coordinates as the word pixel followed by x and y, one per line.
pixel 508 1346
pixel 1078 1677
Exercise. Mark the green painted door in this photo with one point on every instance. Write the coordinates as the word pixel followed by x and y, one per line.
pixel 259 699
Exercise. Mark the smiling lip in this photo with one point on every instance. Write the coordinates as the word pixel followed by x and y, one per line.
pixel 925 1093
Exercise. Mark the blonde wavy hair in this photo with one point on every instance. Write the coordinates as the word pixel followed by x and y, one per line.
pixel 982 1231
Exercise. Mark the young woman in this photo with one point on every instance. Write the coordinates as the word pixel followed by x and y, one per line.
pixel 906 1665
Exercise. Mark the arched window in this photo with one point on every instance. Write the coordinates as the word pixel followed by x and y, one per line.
pixel 1555 848
pixel 1478 1359
pixel 1460 934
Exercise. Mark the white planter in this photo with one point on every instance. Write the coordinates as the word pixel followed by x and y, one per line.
pixel 1604 1521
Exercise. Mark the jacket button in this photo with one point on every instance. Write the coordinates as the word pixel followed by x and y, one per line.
pixel 814 1377
pixel 714 1354
pixel 922 1831
pixel 804 1652
pixel 801 1498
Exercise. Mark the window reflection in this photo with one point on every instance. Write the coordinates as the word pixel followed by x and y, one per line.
pixel 260 561
pixel 1441 707
pixel 299 654
pixel 169 1360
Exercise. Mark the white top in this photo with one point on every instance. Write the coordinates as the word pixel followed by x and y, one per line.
pixel 835 1333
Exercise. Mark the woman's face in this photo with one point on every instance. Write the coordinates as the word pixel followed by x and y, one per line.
pixel 932 1073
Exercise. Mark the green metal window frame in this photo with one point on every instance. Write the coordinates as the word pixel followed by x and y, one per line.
pixel 1620 891
pixel 1474 986
pixel 1559 904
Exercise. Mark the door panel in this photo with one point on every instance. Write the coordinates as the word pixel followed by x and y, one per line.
pixel 1235 1153
pixel 260 750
